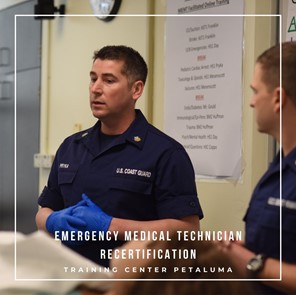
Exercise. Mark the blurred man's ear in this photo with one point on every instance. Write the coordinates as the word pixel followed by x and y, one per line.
pixel 278 100
pixel 137 89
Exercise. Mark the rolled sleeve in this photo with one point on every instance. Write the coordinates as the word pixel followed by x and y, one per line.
pixel 180 206
pixel 177 195
pixel 50 199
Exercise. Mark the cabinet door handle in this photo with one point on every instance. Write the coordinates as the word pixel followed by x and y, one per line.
pixel 4 56
pixel 5 90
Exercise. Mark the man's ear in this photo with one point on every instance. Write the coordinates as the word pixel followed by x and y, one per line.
pixel 137 89
pixel 277 100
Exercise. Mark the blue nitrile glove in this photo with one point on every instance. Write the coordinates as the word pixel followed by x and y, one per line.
pixel 63 220
pixel 94 217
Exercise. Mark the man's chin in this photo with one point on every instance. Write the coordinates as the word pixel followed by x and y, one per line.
pixel 98 114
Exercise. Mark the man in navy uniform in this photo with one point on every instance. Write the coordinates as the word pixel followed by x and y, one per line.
pixel 122 174
pixel 260 257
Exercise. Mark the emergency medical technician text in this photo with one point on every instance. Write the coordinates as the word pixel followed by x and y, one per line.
pixel 148 235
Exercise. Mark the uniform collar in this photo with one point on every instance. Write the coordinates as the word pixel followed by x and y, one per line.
pixel 290 160
pixel 135 134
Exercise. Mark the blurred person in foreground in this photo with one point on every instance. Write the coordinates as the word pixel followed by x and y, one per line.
pixel 210 272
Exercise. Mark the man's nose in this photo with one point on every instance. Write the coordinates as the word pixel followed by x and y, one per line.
pixel 251 103
pixel 96 87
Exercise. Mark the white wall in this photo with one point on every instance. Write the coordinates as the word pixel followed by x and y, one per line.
pixel 7 3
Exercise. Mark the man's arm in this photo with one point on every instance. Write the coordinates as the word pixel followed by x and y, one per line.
pixel 61 220
pixel 122 225
pixel 97 220
pixel 272 270
pixel 240 256
pixel 41 217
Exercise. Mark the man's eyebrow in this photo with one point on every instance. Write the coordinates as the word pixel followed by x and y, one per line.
pixel 109 75
pixel 92 73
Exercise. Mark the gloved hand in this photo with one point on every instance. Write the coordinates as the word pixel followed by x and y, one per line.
pixel 93 216
pixel 63 220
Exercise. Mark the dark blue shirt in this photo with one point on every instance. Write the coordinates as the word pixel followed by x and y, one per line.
pixel 142 174
pixel 263 215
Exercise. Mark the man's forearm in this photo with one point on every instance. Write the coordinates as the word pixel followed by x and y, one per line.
pixel 122 225
pixel 41 218
pixel 270 274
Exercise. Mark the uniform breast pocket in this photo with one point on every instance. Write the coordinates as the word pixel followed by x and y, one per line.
pixel 131 186
pixel 66 179
pixel 289 222
pixel 132 198
pixel 289 235
pixel 270 217
pixel 269 234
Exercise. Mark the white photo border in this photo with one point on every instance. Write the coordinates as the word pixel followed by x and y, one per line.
pixel 15 141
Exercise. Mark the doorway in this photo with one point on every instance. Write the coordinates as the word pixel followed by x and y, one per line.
pixel 20 183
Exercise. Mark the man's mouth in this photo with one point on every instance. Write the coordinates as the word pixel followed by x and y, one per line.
pixel 98 103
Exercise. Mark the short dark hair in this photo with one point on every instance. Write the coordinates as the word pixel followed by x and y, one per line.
pixel 135 67
pixel 270 63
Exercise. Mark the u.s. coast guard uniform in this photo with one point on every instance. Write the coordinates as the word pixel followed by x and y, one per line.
pixel 263 215
pixel 142 175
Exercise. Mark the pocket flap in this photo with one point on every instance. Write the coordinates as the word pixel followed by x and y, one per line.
pixel 132 185
pixel 66 177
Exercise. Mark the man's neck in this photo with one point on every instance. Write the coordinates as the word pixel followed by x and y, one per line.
pixel 288 143
pixel 288 129
pixel 115 127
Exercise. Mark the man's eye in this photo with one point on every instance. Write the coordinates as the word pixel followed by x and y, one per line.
pixel 93 80
pixel 109 81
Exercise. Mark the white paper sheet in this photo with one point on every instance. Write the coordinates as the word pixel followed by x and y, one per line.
pixel 203 83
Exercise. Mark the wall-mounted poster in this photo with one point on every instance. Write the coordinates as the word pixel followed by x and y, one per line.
pixel 291 21
pixel 203 83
